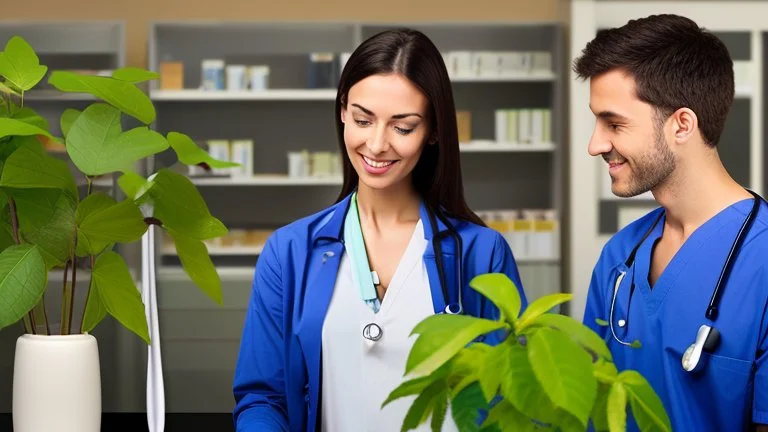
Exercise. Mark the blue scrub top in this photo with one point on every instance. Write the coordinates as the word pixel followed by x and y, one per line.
pixel 731 392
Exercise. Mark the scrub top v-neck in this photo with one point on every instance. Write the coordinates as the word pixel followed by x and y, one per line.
pixel 358 374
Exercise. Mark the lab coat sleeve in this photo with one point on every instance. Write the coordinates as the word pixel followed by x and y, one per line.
pixel 760 401
pixel 504 262
pixel 596 296
pixel 259 384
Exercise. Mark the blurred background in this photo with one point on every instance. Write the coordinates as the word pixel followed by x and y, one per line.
pixel 255 81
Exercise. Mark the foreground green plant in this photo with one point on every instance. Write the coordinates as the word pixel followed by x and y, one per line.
pixel 46 222
pixel 548 372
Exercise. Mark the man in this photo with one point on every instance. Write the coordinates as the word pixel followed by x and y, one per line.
pixel 661 89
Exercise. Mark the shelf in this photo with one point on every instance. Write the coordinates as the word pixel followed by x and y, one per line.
pixel 533 76
pixel 267 180
pixel 226 95
pixel 490 146
pixel 55 95
pixel 222 250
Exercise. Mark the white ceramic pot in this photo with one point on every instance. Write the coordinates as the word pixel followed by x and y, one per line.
pixel 56 384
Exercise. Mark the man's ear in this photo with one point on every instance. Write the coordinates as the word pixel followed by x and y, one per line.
pixel 685 124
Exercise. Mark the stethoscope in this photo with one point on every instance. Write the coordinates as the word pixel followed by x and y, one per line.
pixel 373 331
pixel 707 337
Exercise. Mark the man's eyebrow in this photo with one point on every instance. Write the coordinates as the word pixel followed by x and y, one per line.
pixel 396 116
pixel 611 116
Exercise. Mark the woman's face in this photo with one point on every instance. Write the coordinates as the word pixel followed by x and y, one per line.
pixel 385 129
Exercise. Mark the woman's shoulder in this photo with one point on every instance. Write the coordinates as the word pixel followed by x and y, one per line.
pixel 315 225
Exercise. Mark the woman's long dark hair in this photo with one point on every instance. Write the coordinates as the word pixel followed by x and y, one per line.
pixel 437 175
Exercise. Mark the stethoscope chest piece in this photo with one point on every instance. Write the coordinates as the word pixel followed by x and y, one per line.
pixel 707 339
pixel 372 332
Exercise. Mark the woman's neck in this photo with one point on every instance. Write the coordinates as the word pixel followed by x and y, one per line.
pixel 380 208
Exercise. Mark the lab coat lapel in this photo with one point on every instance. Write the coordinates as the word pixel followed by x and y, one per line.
pixel 324 257
pixel 438 301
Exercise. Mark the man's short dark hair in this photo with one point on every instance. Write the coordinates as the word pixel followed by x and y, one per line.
pixel 674 63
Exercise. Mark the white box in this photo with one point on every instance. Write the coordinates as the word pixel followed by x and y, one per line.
pixel 242 153
pixel 500 124
pixel 524 126
pixel 513 132
pixel 537 126
pixel 460 63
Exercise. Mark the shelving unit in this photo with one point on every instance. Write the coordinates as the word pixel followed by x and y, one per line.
pixel 289 116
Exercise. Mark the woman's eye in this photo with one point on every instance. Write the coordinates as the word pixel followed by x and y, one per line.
pixel 614 127
pixel 403 131
pixel 362 122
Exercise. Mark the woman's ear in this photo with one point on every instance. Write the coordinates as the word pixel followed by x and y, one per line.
pixel 343 113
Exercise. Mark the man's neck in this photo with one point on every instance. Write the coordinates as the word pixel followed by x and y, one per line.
pixel 696 192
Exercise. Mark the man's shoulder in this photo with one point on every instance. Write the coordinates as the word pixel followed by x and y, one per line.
pixel 621 243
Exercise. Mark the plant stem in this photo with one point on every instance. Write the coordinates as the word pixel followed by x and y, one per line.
pixel 14 221
pixel 71 299
pixel 87 294
pixel 65 296
pixel 90 184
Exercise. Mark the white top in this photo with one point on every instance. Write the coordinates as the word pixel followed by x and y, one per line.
pixel 359 374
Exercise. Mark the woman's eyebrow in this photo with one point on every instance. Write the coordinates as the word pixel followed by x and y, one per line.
pixel 396 116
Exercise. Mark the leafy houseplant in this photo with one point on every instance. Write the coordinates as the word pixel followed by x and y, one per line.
pixel 46 222
pixel 548 372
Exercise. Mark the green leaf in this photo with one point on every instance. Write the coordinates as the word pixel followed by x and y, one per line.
pixel 96 145
pixel 564 371
pixel 30 117
pixel 20 65
pixel 599 413
pixel 601 322
pixel 190 153
pixel 508 418
pixel 8 90
pixel 499 289
pixel 438 413
pixel 30 167
pixel 102 221
pixel 423 404
pixel 580 333
pixel 134 75
pixel 197 263
pixel 617 408
pixel 605 371
pixel 521 388
pixel 489 371
pixel 441 337
pixel 47 219
pixel 179 206
pixel 118 293
pixel 646 405
pixel 19 127
pixel 23 278
pixel 133 185
pixel 68 118
pixel 465 408
pixel 123 95
pixel 94 310
pixel 416 385
pixel 464 366
pixel 539 307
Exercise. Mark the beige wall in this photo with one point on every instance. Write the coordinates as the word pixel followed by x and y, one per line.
pixel 139 13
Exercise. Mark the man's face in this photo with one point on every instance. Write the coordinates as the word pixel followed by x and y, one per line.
pixel 628 135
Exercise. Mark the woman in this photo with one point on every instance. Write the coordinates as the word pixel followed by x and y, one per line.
pixel 337 294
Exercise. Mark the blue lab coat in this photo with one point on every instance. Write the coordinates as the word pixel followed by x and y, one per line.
pixel 277 383
pixel 732 390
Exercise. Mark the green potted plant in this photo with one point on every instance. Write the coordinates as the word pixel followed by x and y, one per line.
pixel 48 223
pixel 550 372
